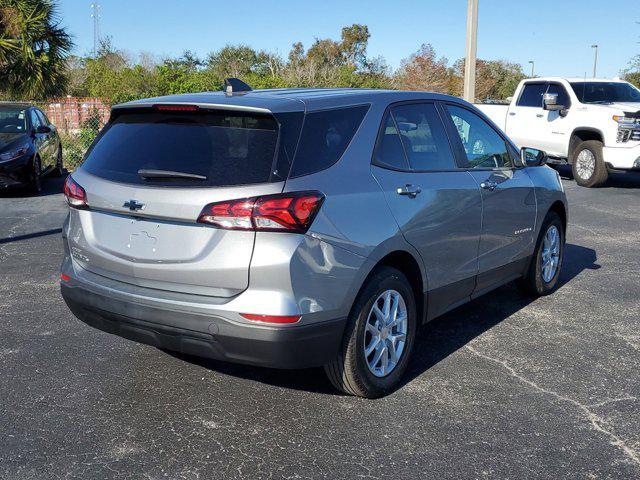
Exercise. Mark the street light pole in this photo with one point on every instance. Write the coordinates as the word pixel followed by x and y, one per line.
pixel 532 68
pixel 469 91
pixel 595 61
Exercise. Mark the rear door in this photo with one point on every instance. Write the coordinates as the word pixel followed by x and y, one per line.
pixel 436 204
pixel 508 198
pixel 142 230
pixel 526 122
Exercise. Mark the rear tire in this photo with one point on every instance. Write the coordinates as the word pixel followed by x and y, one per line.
pixel 587 164
pixel 354 371
pixel 536 282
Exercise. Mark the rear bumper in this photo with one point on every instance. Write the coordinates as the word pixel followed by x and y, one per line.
pixel 207 335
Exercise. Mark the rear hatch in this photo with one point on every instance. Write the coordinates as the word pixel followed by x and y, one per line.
pixel 149 175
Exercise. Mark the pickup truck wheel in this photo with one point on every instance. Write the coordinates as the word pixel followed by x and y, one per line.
pixel 378 338
pixel 544 270
pixel 587 164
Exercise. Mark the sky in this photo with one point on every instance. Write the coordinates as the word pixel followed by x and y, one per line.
pixel 556 35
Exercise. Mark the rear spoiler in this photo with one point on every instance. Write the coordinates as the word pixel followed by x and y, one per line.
pixel 184 106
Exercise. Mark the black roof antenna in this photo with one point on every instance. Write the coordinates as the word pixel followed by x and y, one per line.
pixel 235 85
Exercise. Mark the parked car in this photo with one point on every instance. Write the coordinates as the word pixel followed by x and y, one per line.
pixel 593 124
pixel 303 227
pixel 29 147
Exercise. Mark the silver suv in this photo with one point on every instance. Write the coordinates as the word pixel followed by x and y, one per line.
pixel 303 227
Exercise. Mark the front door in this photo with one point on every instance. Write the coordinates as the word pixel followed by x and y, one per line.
pixel 526 120
pixel 508 199
pixel 437 205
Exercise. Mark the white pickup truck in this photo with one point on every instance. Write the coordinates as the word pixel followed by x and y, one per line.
pixel 592 124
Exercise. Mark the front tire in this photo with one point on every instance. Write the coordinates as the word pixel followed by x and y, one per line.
pixel 544 271
pixel 59 170
pixel 379 337
pixel 587 164
pixel 35 183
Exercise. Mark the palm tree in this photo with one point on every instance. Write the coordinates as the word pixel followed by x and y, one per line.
pixel 33 49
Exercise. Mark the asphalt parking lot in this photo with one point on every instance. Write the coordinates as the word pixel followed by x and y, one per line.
pixel 504 387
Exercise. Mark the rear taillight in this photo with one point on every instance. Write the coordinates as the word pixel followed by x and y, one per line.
pixel 286 212
pixel 76 196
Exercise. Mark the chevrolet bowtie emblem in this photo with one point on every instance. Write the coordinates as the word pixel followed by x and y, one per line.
pixel 133 205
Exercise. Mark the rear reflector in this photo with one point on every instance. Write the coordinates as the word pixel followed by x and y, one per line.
pixel 285 212
pixel 177 108
pixel 75 194
pixel 64 277
pixel 271 318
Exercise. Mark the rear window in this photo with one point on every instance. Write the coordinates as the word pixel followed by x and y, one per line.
pixel 226 148
pixel 324 138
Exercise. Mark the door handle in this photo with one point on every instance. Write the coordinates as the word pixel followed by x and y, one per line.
pixel 409 190
pixel 488 185
pixel 539 115
pixel 512 113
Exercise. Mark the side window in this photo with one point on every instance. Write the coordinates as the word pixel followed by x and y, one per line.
pixel 35 120
pixel 423 136
pixel 482 144
pixel 389 149
pixel 563 96
pixel 531 95
pixel 42 117
pixel 324 138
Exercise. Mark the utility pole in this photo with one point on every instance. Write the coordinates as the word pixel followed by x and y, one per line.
pixel 95 14
pixel 532 68
pixel 469 92
pixel 595 61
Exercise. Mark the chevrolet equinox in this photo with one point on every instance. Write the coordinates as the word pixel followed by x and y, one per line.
pixel 303 227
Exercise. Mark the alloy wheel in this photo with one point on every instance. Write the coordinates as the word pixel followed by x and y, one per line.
pixel 585 164
pixel 385 333
pixel 550 253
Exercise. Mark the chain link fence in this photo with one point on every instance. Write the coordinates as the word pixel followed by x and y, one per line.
pixel 78 121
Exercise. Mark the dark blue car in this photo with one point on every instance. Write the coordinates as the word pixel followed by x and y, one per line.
pixel 29 147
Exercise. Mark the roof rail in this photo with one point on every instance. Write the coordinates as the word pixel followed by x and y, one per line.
pixel 235 85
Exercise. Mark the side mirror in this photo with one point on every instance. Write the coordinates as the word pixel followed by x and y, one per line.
pixel 532 157
pixel 550 102
pixel 43 129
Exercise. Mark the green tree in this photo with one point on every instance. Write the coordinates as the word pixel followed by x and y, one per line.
pixel 632 72
pixel 33 49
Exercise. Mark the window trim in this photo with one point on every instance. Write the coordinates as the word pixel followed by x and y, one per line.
pixel 524 85
pixel 565 91
pixel 328 109
pixel 486 120
pixel 387 111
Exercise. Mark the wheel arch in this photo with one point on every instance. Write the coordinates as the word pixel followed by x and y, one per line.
pixel 582 134
pixel 559 208
pixel 410 266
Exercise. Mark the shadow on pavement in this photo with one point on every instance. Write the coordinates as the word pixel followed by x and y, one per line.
pixel 436 341
pixel 28 236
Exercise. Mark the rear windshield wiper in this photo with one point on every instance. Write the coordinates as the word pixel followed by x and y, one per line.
pixel 148 173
